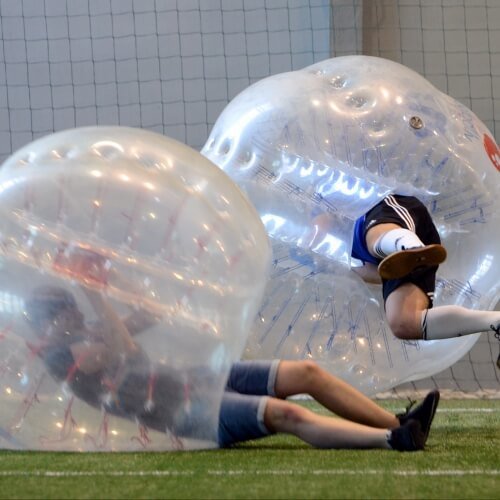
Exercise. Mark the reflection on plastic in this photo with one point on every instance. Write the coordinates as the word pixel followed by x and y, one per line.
pixel 315 149
pixel 102 223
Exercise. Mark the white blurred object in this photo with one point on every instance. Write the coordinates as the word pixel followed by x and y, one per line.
pixel 83 206
pixel 325 144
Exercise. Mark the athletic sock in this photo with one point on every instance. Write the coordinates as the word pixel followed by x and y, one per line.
pixel 396 240
pixel 446 322
pixel 408 437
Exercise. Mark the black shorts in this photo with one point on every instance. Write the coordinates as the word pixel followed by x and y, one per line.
pixel 409 213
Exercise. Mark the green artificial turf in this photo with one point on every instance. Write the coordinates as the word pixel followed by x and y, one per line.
pixel 462 460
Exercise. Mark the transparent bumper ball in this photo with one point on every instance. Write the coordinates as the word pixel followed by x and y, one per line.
pixel 315 149
pixel 131 270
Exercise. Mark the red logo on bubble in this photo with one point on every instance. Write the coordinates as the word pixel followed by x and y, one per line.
pixel 492 150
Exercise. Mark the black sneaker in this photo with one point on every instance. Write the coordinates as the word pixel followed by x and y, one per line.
pixel 496 329
pixel 424 412
pixel 408 437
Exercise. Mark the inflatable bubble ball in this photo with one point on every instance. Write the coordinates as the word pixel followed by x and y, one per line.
pixel 315 149
pixel 131 269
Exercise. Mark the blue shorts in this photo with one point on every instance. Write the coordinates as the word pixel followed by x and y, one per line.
pixel 248 388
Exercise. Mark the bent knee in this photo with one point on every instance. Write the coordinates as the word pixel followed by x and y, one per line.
pixel 296 377
pixel 406 328
pixel 309 372
pixel 282 416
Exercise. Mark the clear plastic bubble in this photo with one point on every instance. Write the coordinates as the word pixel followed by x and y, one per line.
pixel 104 223
pixel 327 143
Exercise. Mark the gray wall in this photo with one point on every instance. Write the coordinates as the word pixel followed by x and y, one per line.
pixel 171 66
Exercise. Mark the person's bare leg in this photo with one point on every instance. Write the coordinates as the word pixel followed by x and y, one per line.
pixel 320 431
pixel 306 377
pixel 409 319
pixel 403 310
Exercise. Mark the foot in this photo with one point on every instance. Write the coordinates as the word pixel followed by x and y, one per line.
pixel 496 329
pixel 423 413
pixel 408 437
pixel 402 263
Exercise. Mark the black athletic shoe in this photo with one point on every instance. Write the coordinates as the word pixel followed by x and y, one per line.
pixel 496 329
pixel 424 412
pixel 408 437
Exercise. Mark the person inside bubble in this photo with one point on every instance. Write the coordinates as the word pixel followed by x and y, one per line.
pixel 104 366
pixel 400 247
pixel 100 361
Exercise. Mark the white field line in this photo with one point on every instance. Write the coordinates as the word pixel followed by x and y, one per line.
pixel 468 410
pixel 324 411
pixel 246 472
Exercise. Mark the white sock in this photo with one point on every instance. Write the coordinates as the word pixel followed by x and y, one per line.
pixel 446 322
pixel 396 240
pixel 388 437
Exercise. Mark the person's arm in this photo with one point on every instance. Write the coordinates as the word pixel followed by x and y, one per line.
pixel 96 273
pixel 112 329
pixel 145 314
pixel 110 341
pixel 369 273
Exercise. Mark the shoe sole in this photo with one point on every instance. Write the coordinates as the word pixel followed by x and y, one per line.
pixel 402 263
pixel 435 403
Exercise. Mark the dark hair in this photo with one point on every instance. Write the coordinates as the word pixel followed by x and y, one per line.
pixel 46 302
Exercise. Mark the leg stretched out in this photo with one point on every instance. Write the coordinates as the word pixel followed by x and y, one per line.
pixel 399 236
pixel 254 406
pixel 410 317
pixel 325 432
